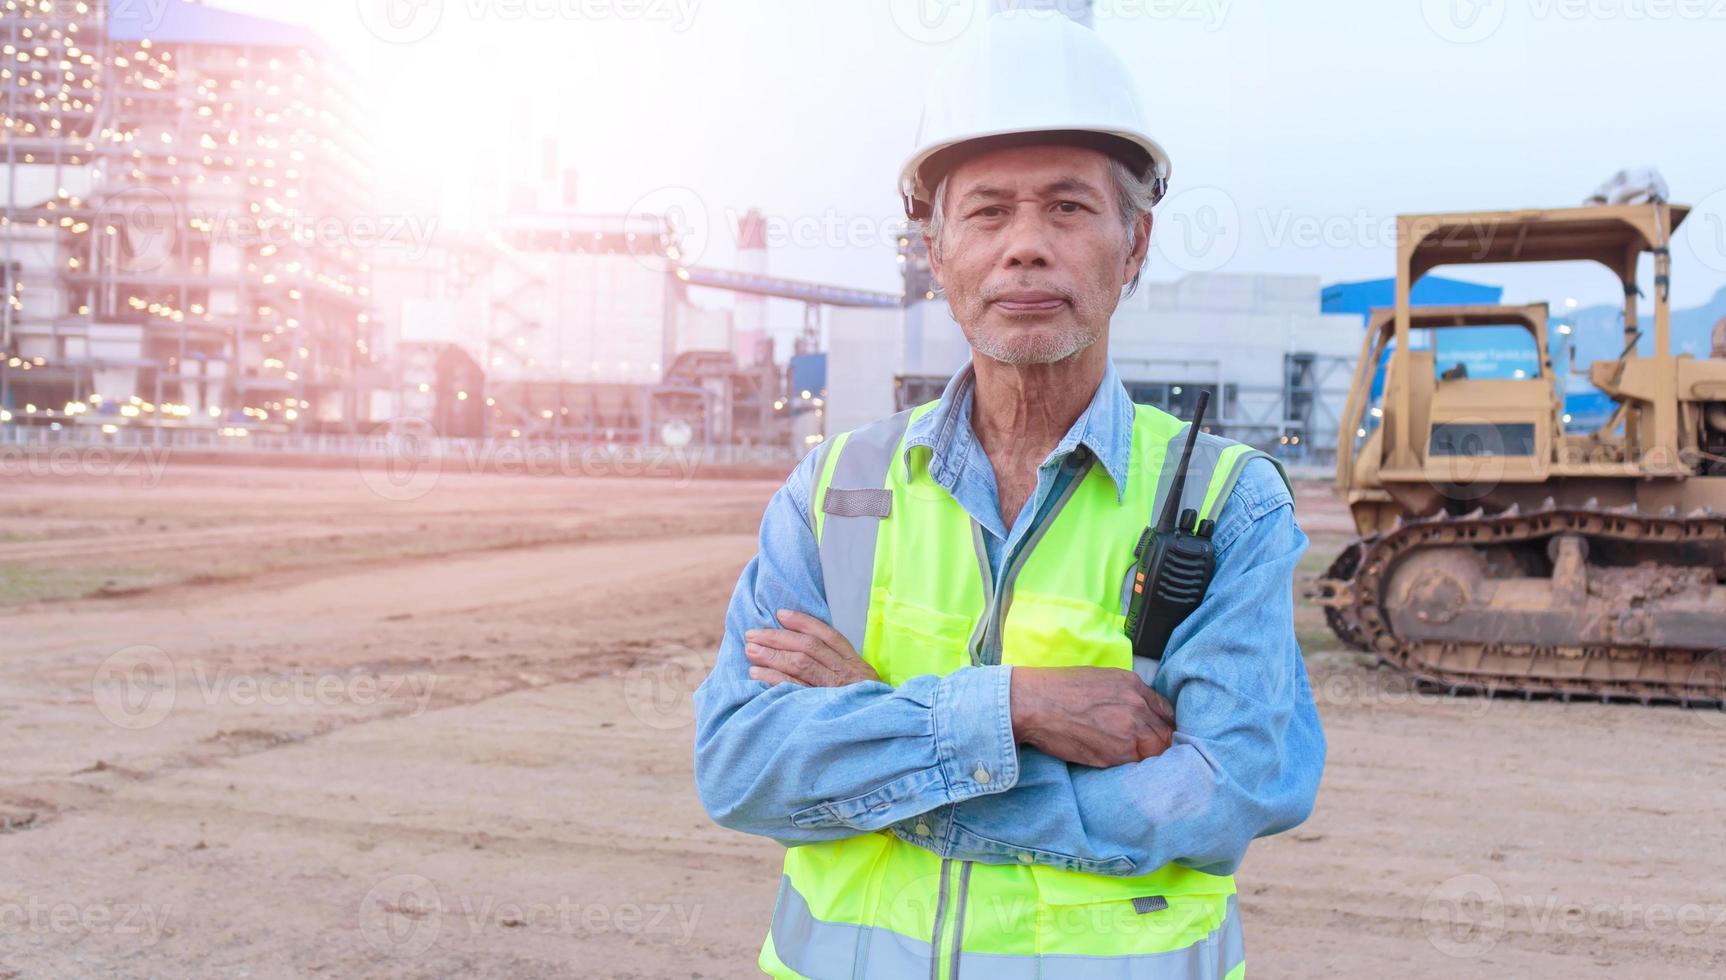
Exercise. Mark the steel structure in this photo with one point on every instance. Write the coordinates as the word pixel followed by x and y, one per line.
pixel 182 222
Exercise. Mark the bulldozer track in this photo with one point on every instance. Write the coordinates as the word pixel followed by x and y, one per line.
pixel 1642 673
pixel 1341 618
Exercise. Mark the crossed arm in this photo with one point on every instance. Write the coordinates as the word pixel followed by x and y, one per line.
pixel 798 741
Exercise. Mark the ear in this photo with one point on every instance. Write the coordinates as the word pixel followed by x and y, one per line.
pixel 1141 248
pixel 934 260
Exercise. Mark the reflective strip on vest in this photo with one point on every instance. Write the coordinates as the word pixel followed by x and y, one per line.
pixel 857 461
pixel 817 949
pixel 1216 465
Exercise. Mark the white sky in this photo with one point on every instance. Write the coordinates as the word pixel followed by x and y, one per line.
pixel 1287 122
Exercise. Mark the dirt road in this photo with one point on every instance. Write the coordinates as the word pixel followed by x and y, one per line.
pixel 277 723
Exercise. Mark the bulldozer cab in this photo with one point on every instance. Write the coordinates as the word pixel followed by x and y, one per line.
pixel 1460 426
pixel 1446 440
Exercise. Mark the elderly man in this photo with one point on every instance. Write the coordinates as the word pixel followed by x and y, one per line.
pixel 925 690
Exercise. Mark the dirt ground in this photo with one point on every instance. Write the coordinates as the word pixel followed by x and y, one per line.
pixel 277 722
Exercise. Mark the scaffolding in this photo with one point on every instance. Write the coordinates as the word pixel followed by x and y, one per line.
pixel 184 215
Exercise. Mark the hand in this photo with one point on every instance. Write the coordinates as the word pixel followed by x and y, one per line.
pixel 807 651
pixel 1093 716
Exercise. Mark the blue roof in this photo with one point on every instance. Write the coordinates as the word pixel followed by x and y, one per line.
pixel 179 22
pixel 1361 297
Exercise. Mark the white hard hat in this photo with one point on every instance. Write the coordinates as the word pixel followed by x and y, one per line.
pixel 1025 77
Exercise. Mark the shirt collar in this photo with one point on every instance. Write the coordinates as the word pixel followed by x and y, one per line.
pixel 1104 428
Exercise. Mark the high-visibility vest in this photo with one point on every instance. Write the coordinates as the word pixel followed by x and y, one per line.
pixel 907 583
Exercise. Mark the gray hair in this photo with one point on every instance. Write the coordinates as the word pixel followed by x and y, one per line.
pixel 1137 194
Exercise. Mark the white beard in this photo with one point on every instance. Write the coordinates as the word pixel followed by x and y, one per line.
pixel 1036 349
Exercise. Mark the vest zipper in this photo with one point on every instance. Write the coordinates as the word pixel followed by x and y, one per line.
pixel 981 630
pixel 959 919
pixel 994 614
pixel 940 922
pixel 995 611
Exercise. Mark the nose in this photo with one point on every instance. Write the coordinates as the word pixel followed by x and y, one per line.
pixel 1028 244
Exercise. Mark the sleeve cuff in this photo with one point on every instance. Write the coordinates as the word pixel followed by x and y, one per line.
pixel 974 744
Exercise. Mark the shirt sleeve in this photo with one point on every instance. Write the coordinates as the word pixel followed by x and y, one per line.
pixel 1247 752
pixel 801 764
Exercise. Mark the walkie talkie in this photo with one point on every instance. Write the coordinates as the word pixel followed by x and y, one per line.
pixel 1175 561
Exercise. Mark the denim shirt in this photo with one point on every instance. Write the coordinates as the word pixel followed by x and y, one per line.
pixel 934 761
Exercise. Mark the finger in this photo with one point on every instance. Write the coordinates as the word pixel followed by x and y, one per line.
pixel 784 661
pixel 1159 705
pixel 798 666
pixel 768 675
pixel 805 623
pixel 780 639
pixel 806 644
pixel 800 643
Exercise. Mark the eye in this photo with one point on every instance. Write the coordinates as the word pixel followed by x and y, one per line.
pixel 989 211
pixel 1069 207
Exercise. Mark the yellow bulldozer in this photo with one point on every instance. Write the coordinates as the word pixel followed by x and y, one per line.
pixel 1500 552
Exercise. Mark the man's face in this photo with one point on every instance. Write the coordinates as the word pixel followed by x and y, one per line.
pixel 1033 253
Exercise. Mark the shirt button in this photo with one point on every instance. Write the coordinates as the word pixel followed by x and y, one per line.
pixel 981 775
pixel 922 829
pixel 1024 859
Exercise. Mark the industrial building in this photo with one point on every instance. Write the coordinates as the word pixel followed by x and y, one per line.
pixel 173 229
pixel 181 252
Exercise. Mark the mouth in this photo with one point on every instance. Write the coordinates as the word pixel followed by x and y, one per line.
pixel 1029 301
